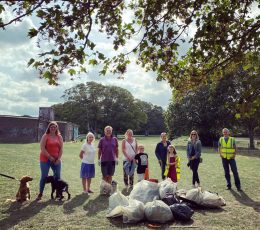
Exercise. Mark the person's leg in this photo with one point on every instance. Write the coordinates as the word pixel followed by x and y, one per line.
pixel 109 179
pixel 88 185
pixel 131 180
pixel 163 169
pixel 104 170
pixel 45 167
pixel 125 175
pixel 140 176
pixel 111 170
pixel 233 167
pixel 195 171
pixel 56 168
pixel 225 164
pixel 84 180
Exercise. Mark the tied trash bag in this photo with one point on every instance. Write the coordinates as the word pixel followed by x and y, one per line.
pixel 195 195
pixel 134 212
pixel 167 187
pixel 181 212
pixel 170 199
pixel 212 200
pixel 158 211
pixel 105 188
pixel 145 191
pixel 117 199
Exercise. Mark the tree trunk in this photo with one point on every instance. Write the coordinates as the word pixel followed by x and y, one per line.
pixel 251 136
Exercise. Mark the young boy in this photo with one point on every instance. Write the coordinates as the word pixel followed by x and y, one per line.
pixel 142 162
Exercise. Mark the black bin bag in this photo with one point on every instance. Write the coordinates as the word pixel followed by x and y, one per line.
pixel 181 212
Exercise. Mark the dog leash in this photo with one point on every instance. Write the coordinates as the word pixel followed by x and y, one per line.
pixel 9 177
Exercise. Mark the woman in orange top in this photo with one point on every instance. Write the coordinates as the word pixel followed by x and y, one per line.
pixel 51 152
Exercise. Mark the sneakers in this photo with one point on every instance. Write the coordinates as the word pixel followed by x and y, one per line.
pixel 239 189
pixel 90 191
pixel 85 191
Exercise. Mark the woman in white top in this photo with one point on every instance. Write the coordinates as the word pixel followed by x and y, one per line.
pixel 129 149
pixel 87 156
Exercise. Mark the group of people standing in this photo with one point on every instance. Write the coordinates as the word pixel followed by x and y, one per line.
pixel 133 156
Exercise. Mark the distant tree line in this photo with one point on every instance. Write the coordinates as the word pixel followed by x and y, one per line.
pixel 93 106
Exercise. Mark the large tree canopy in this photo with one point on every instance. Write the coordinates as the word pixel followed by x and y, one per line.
pixel 233 102
pixel 93 106
pixel 217 32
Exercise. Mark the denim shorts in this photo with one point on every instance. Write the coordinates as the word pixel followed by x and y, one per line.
pixel 108 168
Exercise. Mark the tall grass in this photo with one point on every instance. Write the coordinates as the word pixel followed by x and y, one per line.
pixel 89 211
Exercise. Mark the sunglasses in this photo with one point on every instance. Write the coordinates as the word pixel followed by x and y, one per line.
pixel 193 134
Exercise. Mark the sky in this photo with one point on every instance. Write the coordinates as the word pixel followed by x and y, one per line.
pixel 22 92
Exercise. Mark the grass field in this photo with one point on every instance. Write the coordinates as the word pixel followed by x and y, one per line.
pixel 88 211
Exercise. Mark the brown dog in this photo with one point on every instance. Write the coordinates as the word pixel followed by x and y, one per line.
pixel 23 193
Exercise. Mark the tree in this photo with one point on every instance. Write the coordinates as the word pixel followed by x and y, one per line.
pixel 155 121
pixel 203 110
pixel 231 102
pixel 93 106
pixel 225 31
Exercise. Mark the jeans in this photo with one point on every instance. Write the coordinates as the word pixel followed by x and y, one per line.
pixel 233 166
pixel 163 165
pixel 127 177
pixel 45 167
pixel 194 165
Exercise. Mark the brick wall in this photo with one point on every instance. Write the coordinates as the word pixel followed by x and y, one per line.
pixel 18 129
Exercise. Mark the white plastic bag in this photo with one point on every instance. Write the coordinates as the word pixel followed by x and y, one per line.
pixel 117 199
pixel 105 188
pixel 212 200
pixel 158 211
pixel 117 211
pixel 195 195
pixel 145 191
pixel 167 187
pixel 134 212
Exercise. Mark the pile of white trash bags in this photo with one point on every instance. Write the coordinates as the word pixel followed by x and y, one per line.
pixel 159 202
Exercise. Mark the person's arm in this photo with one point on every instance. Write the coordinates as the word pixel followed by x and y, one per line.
pixel 235 147
pixel 198 149
pixel 123 149
pixel 82 151
pixel 43 149
pixel 187 151
pixel 157 152
pixel 61 147
pixel 136 147
pixel 116 149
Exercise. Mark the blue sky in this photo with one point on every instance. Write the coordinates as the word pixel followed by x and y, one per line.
pixel 22 92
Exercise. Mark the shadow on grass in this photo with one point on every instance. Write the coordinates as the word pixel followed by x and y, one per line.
pixel 94 206
pixel 118 222
pixel 204 210
pixel 21 212
pixel 76 201
pixel 244 199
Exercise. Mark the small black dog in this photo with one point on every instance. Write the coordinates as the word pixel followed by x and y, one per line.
pixel 59 185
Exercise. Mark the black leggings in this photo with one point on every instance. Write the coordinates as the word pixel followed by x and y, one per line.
pixel 194 165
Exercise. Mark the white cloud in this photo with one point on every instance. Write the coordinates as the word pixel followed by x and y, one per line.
pixel 22 92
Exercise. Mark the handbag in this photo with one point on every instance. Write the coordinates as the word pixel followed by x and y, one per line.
pixel 201 160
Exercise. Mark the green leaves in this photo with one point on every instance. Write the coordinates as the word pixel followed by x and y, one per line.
pixel 156 31
pixel 32 33
pixel 71 72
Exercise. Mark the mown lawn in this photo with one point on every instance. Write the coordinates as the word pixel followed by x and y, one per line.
pixel 89 211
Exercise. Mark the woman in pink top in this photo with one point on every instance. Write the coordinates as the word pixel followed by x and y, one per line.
pixel 51 152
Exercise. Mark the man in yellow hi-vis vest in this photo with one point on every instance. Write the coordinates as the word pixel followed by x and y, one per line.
pixel 227 150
